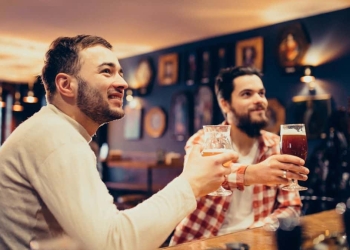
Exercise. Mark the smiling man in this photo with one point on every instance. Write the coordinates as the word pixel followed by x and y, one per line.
pixel 257 198
pixel 50 189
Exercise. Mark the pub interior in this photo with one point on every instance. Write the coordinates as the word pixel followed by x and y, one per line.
pixel 171 96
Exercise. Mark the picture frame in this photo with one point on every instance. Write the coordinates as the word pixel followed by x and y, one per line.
pixel 203 107
pixel 143 76
pixel 180 115
pixel 205 66
pixel 168 69
pixel 221 59
pixel 191 68
pixel 250 52
pixel 276 114
pixel 293 43
pixel 155 122
pixel 133 122
pixel 313 111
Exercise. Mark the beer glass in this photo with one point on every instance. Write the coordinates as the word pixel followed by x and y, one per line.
pixel 217 140
pixel 293 142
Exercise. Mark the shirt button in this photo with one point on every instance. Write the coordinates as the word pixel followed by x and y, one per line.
pixel 255 205
pixel 224 209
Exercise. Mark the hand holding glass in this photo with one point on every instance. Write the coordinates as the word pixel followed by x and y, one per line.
pixel 294 142
pixel 217 140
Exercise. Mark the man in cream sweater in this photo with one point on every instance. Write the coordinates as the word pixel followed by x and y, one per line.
pixel 49 185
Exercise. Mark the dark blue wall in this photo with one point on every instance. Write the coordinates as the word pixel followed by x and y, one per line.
pixel 329 51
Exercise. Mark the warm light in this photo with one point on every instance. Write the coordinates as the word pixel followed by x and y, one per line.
pixel 129 98
pixel 308 78
pixel 135 103
pixel 2 103
pixel 17 107
pixel 30 98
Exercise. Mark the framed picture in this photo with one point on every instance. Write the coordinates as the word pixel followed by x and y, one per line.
pixel 132 124
pixel 206 67
pixel 314 112
pixel 276 114
pixel 155 122
pixel 143 76
pixel 168 69
pixel 203 107
pixel 221 60
pixel 180 116
pixel 250 52
pixel 191 68
pixel 292 45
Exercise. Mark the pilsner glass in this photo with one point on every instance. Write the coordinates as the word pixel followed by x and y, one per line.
pixel 294 142
pixel 216 141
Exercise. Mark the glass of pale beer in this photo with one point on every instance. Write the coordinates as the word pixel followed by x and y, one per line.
pixel 293 142
pixel 217 140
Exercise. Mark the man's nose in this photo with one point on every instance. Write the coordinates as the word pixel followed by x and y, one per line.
pixel 119 82
pixel 258 98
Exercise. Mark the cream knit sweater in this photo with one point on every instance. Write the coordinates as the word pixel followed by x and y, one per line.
pixel 49 185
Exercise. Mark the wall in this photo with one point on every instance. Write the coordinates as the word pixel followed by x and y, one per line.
pixel 329 52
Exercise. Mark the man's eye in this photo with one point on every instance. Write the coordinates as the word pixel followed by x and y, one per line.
pixel 108 71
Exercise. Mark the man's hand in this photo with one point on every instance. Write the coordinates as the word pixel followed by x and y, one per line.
pixel 276 169
pixel 206 174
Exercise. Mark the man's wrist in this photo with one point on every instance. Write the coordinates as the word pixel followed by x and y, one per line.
pixel 241 172
pixel 195 188
pixel 248 176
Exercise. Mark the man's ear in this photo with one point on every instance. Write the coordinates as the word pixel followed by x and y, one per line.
pixel 65 85
pixel 224 105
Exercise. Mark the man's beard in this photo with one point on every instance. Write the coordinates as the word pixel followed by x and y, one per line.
pixel 90 101
pixel 249 127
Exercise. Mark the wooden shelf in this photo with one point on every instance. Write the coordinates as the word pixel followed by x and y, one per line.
pixel 132 186
pixel 142 165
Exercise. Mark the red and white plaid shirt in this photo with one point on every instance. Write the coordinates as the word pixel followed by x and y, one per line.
pixel 268 201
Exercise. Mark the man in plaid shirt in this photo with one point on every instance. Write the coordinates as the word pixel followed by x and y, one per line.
pixel 257 198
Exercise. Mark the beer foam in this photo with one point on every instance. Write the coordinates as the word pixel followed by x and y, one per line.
pixel 217 150
pixel 292 132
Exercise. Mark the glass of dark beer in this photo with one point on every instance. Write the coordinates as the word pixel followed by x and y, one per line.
pixel 294 142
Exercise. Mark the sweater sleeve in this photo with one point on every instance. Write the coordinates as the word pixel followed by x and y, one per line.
pixel 71 188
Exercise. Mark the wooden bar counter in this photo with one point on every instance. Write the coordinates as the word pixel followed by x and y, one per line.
pixel 260 239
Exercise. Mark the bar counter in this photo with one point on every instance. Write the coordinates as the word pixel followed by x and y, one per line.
pixel 258 238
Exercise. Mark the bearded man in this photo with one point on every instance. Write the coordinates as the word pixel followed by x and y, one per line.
pixel 257 178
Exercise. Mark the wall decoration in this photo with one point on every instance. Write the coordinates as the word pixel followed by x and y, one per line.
pixel 221 61
pixel 250 52
pixel 276 114
pixel 206 67
pixel 168 69
pixel 293 43
pixel 143 76
pixel 191 68
pixel 180 116
pixel 155 122
pixel 203 107
pixel 313 111
pixel 132 122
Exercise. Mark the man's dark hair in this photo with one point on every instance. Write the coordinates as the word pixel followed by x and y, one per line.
pixel 63 57
pixel 224 85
